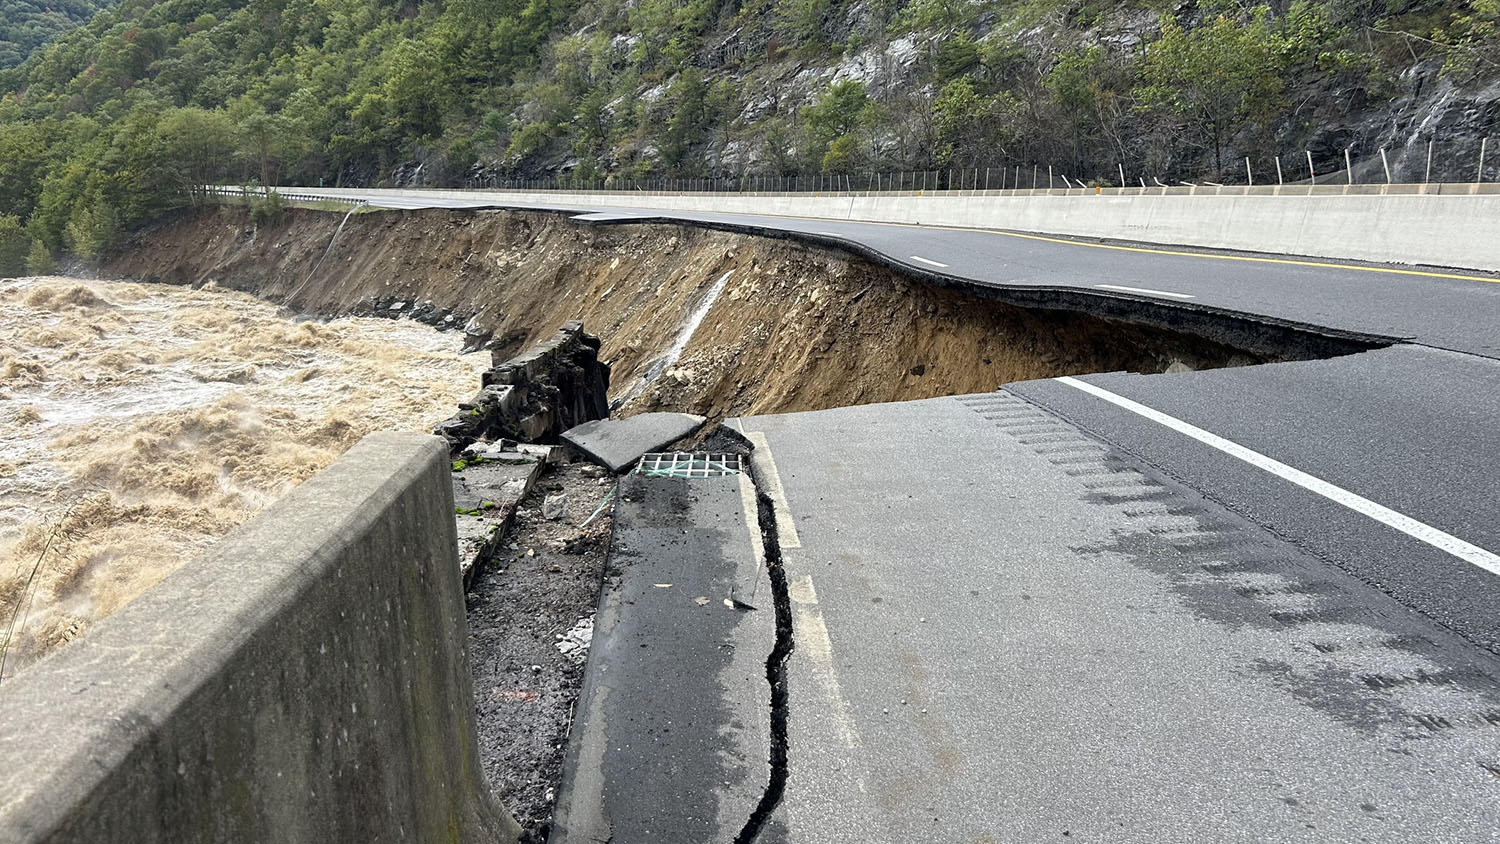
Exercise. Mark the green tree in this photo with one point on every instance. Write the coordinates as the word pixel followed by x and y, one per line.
pixel 259 139
pixel 39 259
pixel 844 110
pixel 1473 37
pixel 845 155
pixel 802 21
pixel 955 56
pixel 201 143
pixel 23 156
pixel 690 118
pixel 14 243
pixel 1089 87
pixel 938 19
pixel 974 128
pixel 1218 80
pixel 91 228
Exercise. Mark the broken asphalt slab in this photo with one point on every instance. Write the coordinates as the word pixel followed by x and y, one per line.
pixel 672 739
pixel 619 443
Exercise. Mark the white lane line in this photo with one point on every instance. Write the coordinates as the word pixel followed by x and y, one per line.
pixel 757 546
pixel 928 261
pixel 1411 527
pixel 813 642
pixel 765 468
pixel 1144 290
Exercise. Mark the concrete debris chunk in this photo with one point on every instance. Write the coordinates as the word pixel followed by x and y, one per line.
pixel 535 396
pixel 575 643
pixel 618 444
pixel 553 507
pixel 510 451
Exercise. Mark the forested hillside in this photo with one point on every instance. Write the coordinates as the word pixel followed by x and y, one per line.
pixel 26 25
pixel 119 118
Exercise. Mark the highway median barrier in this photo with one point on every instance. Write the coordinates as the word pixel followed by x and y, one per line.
pixel 1444 225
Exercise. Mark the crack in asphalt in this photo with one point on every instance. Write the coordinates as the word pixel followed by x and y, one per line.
pixel 775 668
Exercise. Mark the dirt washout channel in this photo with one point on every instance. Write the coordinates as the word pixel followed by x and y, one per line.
pixel 711 322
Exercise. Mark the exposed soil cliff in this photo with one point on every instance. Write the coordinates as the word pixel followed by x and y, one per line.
pixel 786 327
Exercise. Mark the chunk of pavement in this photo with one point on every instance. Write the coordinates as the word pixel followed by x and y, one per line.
pixel 553 506
pixel 619 443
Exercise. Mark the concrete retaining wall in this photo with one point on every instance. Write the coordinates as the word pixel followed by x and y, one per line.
pixel 1458 227
pixel 306 680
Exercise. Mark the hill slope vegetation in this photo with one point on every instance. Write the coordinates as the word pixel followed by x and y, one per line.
pixel 26 25
pixel 121 117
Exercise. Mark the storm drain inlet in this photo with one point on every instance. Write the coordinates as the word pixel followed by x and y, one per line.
pixel 689 464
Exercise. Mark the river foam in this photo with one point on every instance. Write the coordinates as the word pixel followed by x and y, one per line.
pixel 138 423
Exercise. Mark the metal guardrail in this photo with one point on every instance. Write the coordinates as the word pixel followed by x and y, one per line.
pixel 293 195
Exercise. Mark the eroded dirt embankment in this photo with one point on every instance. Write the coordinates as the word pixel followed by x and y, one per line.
pixel 792 328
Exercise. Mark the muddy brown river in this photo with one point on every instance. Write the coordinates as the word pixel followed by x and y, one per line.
pixel 138 423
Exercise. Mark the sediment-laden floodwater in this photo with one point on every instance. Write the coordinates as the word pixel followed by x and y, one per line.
pixel 138 423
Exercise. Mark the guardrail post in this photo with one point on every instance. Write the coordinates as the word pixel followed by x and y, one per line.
pixel 1311 173
pixel 1427 178
pixel 1348 167
pixel 1249 176
pixel 1483 143
pixel 1121 165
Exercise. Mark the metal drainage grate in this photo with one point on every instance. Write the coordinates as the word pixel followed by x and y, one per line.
pixel 689 464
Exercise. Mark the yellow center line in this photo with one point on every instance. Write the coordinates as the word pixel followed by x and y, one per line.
pixel 1252 258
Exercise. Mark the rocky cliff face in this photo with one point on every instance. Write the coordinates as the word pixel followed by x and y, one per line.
pixel 1086 88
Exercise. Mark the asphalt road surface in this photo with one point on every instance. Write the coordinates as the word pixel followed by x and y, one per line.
pixel 1249 604
pixel 1008 630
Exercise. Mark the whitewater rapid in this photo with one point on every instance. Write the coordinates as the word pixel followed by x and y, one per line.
pixel 138 423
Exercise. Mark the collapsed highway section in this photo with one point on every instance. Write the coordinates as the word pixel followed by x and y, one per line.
pixel 1092 637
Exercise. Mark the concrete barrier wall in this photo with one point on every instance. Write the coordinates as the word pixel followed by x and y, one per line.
pixel 306 680
pixel 1460 228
